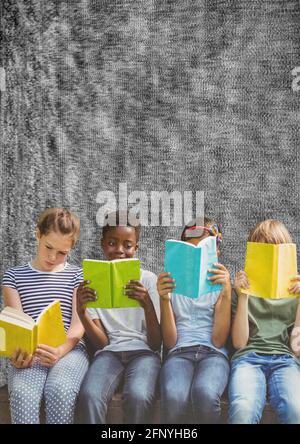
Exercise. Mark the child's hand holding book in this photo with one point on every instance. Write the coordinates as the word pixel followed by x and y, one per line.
pixel 220 275
pixel 136 290
pixel 165 285
pixel 21 359
pixel 47 356
pixel 241 282
pixel 295 287
pixel 83 296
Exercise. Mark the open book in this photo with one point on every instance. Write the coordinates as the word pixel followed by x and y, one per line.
pixel 19 330
pixel 270 268
pixel 108 278
pixel 188 265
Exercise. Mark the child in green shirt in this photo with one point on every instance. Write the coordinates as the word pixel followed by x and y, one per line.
pixel 264 332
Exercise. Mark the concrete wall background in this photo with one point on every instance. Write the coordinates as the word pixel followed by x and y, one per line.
pixel 163 95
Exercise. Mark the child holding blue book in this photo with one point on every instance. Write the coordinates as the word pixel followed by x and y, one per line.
pixel 128 340
pixel 195 331
pixel 266 334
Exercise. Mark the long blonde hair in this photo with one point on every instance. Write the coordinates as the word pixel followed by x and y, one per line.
pixel 270 231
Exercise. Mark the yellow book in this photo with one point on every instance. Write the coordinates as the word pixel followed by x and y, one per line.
pixel 270 268
pixel 18 330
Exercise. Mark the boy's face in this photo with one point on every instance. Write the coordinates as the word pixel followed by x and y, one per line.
pixel 119 243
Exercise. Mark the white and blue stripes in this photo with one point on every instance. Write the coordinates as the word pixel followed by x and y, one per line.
pixel 37 289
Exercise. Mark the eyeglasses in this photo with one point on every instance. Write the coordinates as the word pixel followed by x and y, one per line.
pixel 213 230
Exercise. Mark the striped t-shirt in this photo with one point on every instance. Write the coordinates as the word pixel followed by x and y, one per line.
pixel 37 289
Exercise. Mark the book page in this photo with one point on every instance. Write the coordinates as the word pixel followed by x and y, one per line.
pixel 209 256
pixel 123 271
pixel 182 260
pixel 287 269
pixel 259 266
pixel 13 313
pixel 15 336
pixel 50 326
pixel 98 273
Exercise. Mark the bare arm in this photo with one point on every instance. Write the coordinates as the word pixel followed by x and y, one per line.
pixel 75 331
pixel 222 315
pixel 240 326
pixel 153 327
pixel 93 328
pixel 295 335
pixel 165 285
pixel 11 298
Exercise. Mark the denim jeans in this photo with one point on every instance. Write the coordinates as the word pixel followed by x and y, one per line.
pixel 139 369
pixel 192 382
pixel 253 377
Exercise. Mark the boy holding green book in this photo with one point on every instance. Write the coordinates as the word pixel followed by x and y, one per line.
pixel 127 339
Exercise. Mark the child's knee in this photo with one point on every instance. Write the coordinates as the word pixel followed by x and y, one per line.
pixel 61 390
pixel 23 392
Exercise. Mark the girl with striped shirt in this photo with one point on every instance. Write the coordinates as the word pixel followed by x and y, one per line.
pixel 52 374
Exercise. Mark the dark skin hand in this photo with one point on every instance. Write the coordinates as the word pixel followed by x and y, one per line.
pixel 136 290
pixel 84 295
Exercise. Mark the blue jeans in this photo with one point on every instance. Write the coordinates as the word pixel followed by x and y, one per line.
pixel 193 378
pixel 253 377
pixel 139 369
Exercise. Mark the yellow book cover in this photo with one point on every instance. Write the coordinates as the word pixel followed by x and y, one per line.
pixel 270 268
pixel 18 330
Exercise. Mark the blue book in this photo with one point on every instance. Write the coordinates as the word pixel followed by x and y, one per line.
pixel 188 265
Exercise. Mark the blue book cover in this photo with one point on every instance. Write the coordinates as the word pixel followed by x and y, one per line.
pixel 188 265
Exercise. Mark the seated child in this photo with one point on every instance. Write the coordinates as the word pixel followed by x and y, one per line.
pixel 54 374
pixel 128 340
pixel 266 360
pixel 194 332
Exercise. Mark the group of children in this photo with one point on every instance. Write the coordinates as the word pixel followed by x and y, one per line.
pixel 128 342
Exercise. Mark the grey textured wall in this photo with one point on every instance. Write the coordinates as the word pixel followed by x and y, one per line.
pixel 163 95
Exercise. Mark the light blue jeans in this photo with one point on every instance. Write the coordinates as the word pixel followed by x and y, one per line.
pixel 139 369
pixel 192 382
pixel 253 377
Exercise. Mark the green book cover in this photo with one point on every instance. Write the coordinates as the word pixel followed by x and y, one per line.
pixel 108 279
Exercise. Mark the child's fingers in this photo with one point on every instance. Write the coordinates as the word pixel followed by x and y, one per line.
pixel 15 354
pixel 46 362
pixel 134 295
pixel 134 284
pixel 219 280
pixel 87 292
pixel 21 358
pixel 217 272
pixel 216 278
pixel 163 274
pixel 88 299
pixel 166 289
pixel 241 274
pixel 220 266
pixel 166 279
pixel 294 289
pixel 27 361
pixel 83 284
pixel 167 285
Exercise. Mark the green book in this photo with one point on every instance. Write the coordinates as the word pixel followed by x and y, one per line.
pixel 108 278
